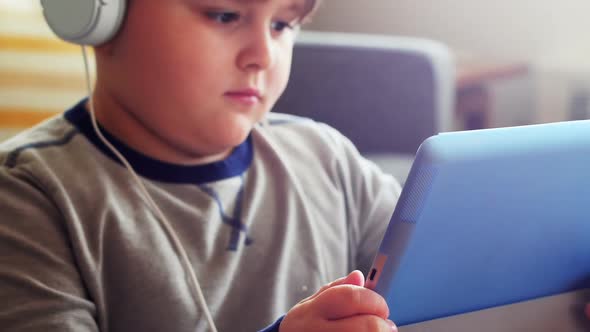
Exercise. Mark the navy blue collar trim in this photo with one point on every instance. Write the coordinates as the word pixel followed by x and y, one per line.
pixel 235 164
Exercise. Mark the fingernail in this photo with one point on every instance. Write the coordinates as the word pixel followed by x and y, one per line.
pixel 355 272
pixel 392 324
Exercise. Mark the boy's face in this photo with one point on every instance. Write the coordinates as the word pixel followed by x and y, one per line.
pixel 187 79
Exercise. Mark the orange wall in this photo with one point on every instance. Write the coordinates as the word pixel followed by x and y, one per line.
pixel 40 75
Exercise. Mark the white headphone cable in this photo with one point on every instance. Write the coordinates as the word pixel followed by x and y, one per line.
pixel 196 287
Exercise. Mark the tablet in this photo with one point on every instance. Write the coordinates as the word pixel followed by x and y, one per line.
pixel 491 223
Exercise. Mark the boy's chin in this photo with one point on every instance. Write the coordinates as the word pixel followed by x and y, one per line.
pixel 229 138
pixel 236 132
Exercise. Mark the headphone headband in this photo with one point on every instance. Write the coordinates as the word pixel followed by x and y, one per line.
pixel 85 22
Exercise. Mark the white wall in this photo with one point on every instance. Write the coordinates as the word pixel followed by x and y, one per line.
pixel 553 36
pixel 508 28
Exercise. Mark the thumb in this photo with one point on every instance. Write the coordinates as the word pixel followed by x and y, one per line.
pixel 355 278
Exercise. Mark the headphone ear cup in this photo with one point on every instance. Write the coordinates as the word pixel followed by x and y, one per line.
pixel 85 22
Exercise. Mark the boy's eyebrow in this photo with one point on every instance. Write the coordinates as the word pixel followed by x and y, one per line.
pixel 295 6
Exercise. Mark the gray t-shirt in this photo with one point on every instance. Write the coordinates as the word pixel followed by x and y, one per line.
pixel 292 208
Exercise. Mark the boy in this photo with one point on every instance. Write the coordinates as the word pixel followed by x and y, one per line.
pixel 261 208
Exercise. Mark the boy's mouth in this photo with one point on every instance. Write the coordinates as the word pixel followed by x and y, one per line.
pixel 248 96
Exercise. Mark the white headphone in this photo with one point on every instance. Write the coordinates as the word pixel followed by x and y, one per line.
pixel 84 22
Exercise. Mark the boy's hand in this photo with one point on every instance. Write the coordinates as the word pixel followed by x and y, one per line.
pixel 344 305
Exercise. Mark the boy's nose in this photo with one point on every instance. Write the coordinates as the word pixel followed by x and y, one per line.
pixel 259 51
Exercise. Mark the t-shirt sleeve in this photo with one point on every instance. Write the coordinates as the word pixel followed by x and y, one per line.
pixel 274 327
pixel 40 286
pixel 371 196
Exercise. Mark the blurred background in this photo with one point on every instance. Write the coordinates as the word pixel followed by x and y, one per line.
pixel 516 61
pixel 532 56
pixel 39 74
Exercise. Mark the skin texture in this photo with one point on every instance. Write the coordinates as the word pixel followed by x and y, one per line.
pixel 169 83
pixel 344 305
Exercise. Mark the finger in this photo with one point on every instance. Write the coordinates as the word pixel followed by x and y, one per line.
pixel 354 278
pixel 343 301
pixel 587 310
pixel 362 323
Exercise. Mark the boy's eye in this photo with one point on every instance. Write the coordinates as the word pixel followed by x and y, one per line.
pixel 223 17
pixel 281 25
